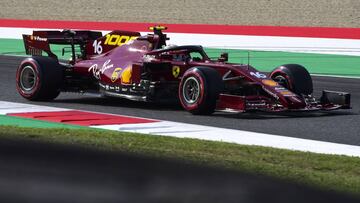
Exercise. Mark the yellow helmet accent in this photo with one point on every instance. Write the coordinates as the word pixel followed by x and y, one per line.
pixel 157 27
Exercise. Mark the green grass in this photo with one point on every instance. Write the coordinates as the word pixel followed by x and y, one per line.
pixel 326 64
pixel 16 47
pixel 28 122
pixel 330 172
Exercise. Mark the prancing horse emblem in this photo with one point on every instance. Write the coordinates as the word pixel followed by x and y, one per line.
pixel 176 71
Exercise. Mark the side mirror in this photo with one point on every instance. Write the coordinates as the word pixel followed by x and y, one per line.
pixel 224 57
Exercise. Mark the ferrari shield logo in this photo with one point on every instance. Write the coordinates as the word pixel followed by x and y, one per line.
pixel 176 71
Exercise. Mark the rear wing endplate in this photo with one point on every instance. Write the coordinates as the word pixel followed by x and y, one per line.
pixel 40 41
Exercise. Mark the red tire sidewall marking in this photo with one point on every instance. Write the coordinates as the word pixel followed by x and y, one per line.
pixel 202 95
pixel 34 65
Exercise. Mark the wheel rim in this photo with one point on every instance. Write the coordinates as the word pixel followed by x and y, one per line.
pixel 27 78
pixel 282 81
pixel 191 90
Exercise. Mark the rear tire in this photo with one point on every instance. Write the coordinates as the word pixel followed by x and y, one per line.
pixel 199 90
pixel 39 78
pixel 294 77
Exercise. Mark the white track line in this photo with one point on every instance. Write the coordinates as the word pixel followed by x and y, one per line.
pixel 184 130
pixel 12 107
pixel 336 76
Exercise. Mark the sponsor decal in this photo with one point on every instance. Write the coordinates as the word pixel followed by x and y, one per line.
pixel 287 93
pixel 116 74
pixel 126 75
pixel 96 71
pixel 176 71
pixel 278 89
pixel 258 74
pixel 270 83
pixel 37 38
pixel 109 87
pixel 118 40
pixel 113 40
pixel 97 47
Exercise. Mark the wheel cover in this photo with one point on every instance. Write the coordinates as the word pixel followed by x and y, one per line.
pixel 191 90
pixel 282 81
pixel 28 78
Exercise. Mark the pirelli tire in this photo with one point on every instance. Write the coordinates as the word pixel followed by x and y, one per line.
pixel 199 90
pixel 39 78
pixel 293 77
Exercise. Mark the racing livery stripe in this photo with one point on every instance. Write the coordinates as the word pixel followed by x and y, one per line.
pixel 82 118
pixel 314 32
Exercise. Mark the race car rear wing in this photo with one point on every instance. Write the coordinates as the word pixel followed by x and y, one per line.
pixel 40 41
pixel 91 43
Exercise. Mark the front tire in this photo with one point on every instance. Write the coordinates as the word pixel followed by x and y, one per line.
pixel 199 90
pixel 39 78
pixel 294 77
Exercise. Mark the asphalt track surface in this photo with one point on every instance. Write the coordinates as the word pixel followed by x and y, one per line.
pixel 37 172
pixel 342 126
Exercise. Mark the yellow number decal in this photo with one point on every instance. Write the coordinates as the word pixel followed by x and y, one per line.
pixel 123 40
pixel 112 41
pixel 107 39
pixel 118 39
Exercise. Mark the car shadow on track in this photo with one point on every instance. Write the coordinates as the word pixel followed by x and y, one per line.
pixel 286 115
pixel 124 103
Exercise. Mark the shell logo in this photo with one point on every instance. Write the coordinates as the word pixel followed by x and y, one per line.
pixel 115 75
pixel 126 75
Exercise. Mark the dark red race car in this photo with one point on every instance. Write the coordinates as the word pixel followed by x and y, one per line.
pixel 143 68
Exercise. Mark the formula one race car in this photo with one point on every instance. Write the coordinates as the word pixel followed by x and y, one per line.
pixel 143 68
